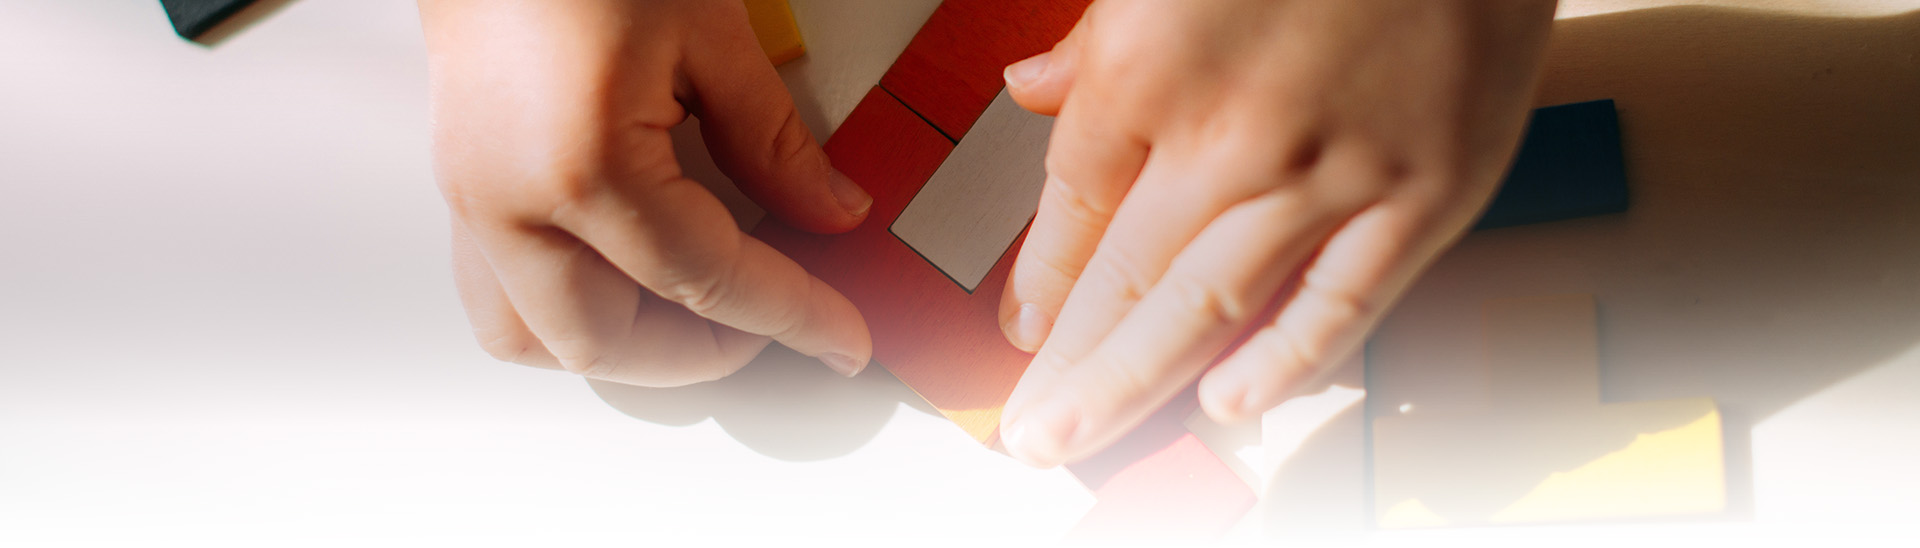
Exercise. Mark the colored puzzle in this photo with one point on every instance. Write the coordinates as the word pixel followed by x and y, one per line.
pixel 1545 449
pixel 928 266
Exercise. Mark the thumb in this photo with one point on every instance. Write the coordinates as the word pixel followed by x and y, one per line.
pixel 757 137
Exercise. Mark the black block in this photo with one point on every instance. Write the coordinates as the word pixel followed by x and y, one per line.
pixel 192 18
pixel 1569 166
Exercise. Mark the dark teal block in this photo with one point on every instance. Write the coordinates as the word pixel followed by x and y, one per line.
pixel 1569 166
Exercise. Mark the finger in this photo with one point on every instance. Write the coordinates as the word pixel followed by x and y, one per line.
pixel 678 241
pixel 1342 294
pixel 1170 203
pixel 596 321
pixel 1041 83
pixel 496 325
pixel 1090 167
pixel 1213 289
pixel 757 137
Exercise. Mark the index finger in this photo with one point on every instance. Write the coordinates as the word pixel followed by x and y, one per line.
pixel 678 241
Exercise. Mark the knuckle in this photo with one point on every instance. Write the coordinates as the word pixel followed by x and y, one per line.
pixel 1053 363
pixel 1057 265
pixel 1074 201
pixel 1338 303
pixel 1127 275
pixel 1126 376
pixel 791 145
pixel 504 345
pixel 1307 359
pixel 565 183
pixel 1206 299
pixel 580 356
pixel 703 287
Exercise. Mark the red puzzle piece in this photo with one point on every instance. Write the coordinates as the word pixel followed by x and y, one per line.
pixel 951 70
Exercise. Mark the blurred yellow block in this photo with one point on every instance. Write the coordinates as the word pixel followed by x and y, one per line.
pixel 773 24
pixel 1547 449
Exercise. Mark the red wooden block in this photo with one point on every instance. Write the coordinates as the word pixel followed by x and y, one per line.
pixel 951 70
pixel 1178 490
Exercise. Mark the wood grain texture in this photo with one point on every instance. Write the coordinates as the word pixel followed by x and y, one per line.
pixel 951 70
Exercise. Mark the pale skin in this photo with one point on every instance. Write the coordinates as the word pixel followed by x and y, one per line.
pixel 1278 169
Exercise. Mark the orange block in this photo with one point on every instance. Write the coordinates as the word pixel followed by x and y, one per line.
pixel 773 25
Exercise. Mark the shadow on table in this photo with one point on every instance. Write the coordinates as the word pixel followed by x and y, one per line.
pixel 1770 250
pixel 783 405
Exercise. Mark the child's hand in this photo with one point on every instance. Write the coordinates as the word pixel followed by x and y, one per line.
pixel 578 244
pixel 1205 152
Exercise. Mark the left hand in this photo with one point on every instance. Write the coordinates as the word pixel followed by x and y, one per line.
pixel 1207 152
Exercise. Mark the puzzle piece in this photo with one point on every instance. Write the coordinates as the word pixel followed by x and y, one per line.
pixel 951 70
pixel 982 197
pixel 193 18
pixel 774 27
pixel 1569 165
pixel 1545 449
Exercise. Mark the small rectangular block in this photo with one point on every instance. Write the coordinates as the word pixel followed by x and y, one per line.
pixel 982 197
pixel 1569 166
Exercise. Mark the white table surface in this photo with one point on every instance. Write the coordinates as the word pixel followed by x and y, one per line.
pixel 226 317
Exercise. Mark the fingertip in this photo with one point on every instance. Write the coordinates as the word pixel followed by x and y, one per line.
pixel 855 201
pixel 1038 436
pixel 1027 71
pixel 1027 327
pixel 1223 398
pixel 1039 83
pixel 845 365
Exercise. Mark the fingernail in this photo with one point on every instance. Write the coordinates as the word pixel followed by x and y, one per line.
pixel 1038 437
pixel 1027 71
pixel 1028 328
pixel 1226 403
pixel 845 365
pixel 851 197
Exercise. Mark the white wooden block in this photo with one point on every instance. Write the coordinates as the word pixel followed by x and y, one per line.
pixel 973 207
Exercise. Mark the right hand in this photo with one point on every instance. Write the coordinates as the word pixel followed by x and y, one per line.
pixel 578 243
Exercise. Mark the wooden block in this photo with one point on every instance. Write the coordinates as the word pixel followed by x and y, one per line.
pixel 1179 490
pixel 193 18
pixel 1546 449
pixel 1542 351
pixel 773 25
pixel 982 197
pixel 1569 166
pixel 951 70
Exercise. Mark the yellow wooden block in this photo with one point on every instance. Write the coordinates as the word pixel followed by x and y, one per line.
pixel 773 25
pixel 1546 449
